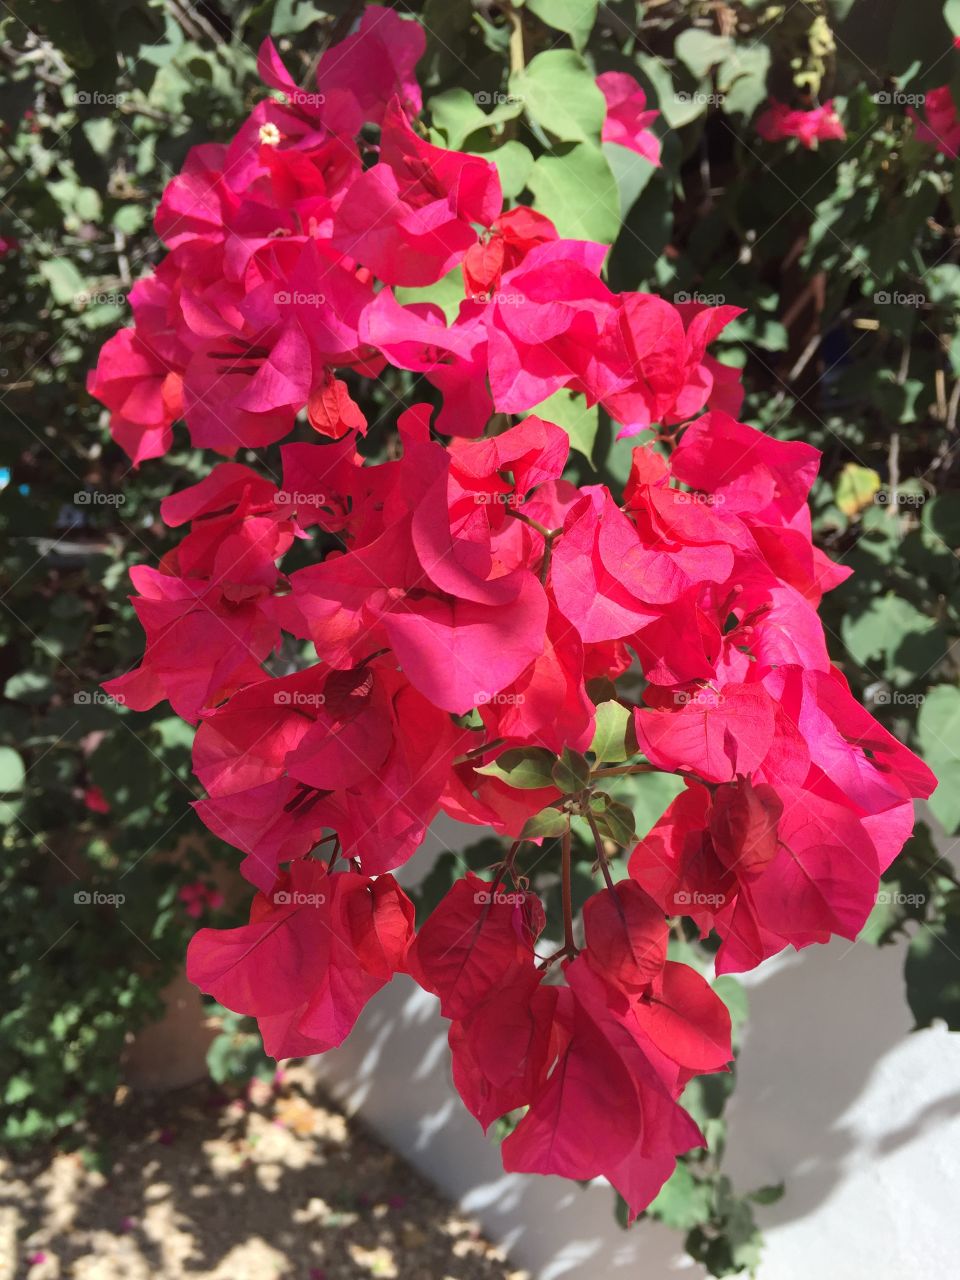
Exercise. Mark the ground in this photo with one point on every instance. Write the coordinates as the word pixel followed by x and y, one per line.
pixel 270 1185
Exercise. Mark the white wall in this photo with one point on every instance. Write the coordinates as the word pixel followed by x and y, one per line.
pixel 860 1118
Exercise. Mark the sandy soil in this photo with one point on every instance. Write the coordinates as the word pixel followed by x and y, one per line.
pixel 274 1184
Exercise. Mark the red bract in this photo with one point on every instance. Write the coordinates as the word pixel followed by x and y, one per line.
pixel 441 627
pixel 818 124
pixel 316 949
pixel 627 120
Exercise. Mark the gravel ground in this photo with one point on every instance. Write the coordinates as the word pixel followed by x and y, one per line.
pixel 274 1184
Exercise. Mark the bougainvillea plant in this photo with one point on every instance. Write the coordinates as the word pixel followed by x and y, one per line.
pixel 473 620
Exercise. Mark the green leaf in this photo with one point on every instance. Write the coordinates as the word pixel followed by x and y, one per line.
pixel 12 771
pixel 571 773
pixel 548 822
pixel 560 94
pixel 769 1194
pixel 683 1201
pixel 65 281
pixel 524 767
pixel 890 631
pixel 578 191
pixel 617 824
pixel 700 50
pixel 575 17
pixel 855 488
pixel 613 738
pixel 742 78
pixel 941 518
pixel 932 974
pixel 459 113
pixel 446 293
pixel 29 686
pixel 513 161
pixel 569 410
pixel 938 732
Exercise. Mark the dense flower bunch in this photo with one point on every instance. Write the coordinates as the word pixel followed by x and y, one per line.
pixel 810 126
pixel 472 618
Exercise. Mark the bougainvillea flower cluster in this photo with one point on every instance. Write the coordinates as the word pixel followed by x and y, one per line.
pixel 809 125
pixel 467 611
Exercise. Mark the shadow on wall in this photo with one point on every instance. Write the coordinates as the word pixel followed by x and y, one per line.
pixel 831 1088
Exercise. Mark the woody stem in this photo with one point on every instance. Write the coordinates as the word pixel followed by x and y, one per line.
pixel 542 529
pixel 620 769
pixel 517 57
pixel 567 889
pixel 602 861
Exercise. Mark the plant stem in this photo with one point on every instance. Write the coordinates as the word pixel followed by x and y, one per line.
pixel 517 56
pixel 621 769
pixel 566 885
pixel 475 752
pixel 542 529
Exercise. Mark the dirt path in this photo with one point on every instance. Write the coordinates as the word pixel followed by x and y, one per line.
pixel 271 1186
